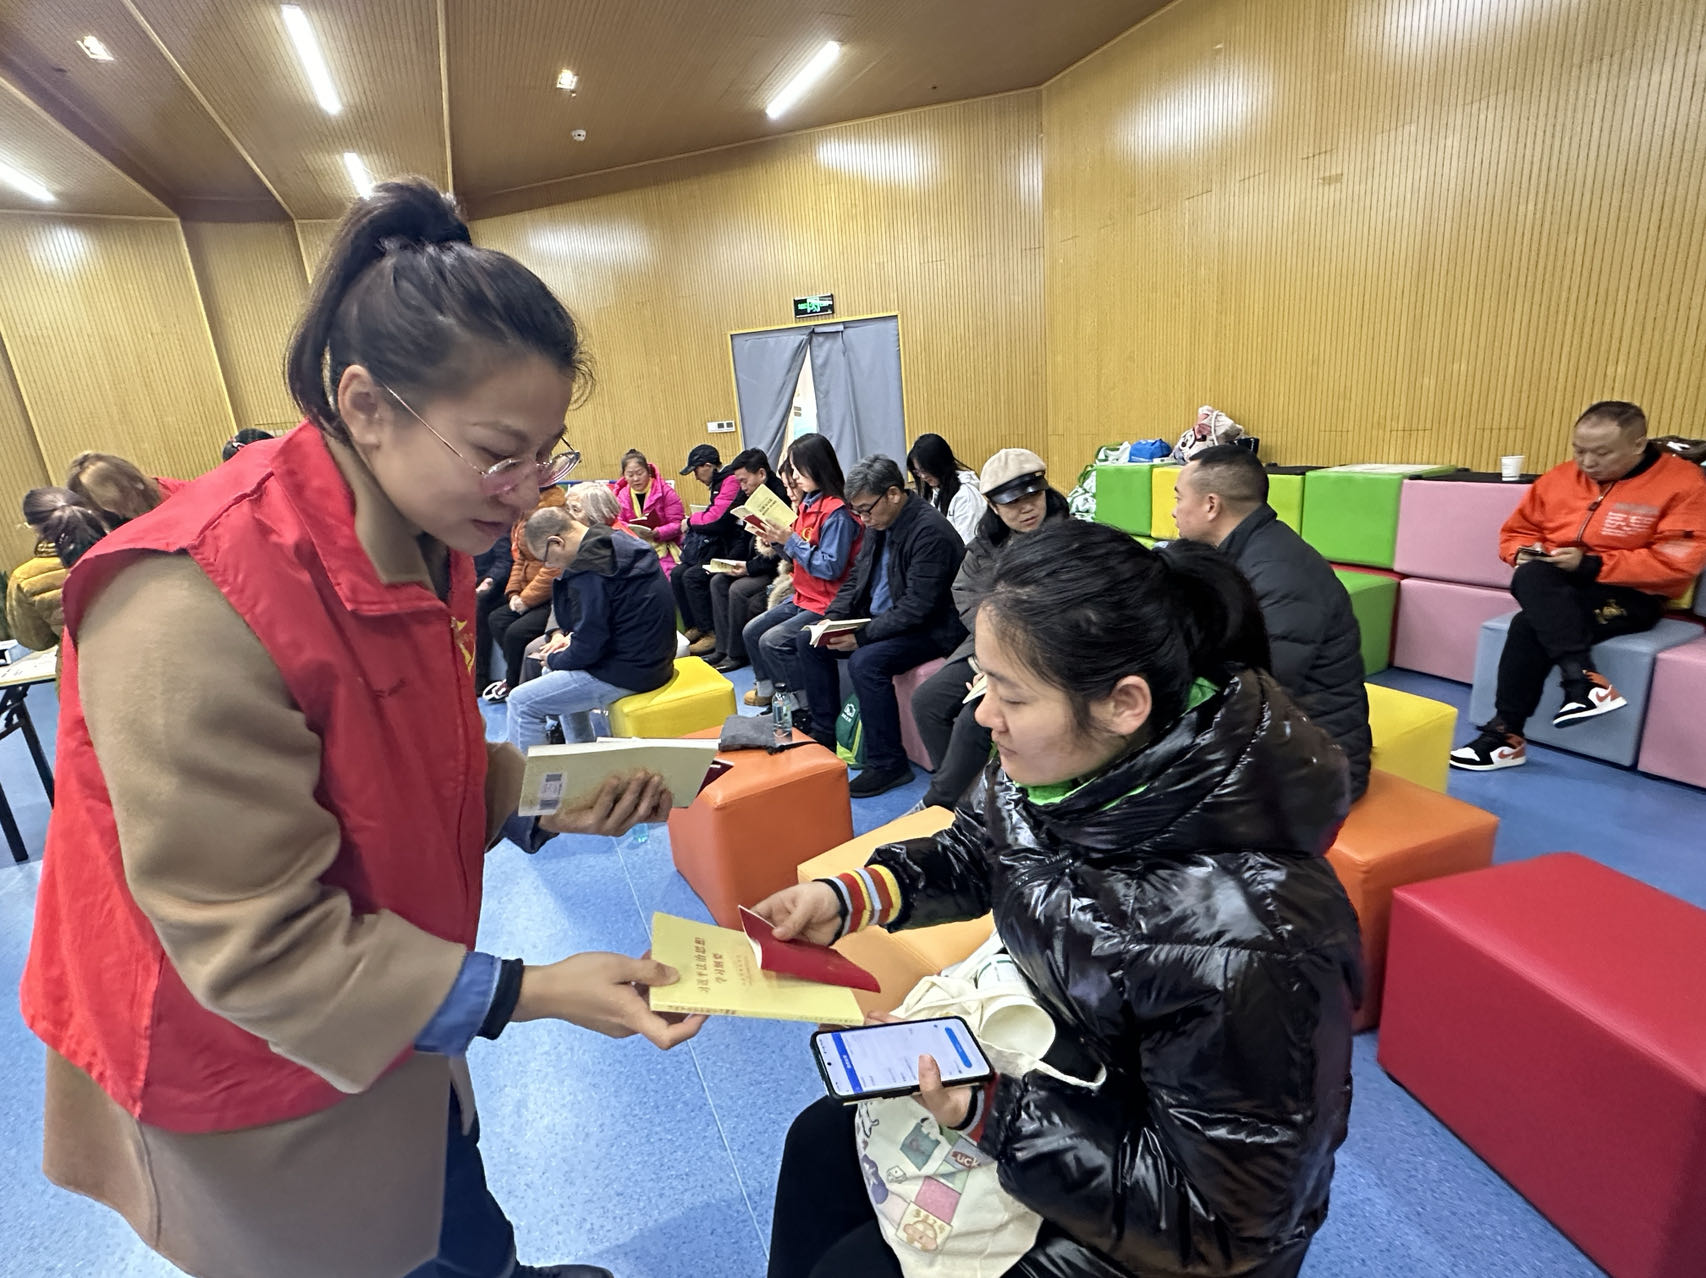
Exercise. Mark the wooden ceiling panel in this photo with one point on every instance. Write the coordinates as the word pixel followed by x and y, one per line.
pixel 80 180
pixel 659 78
pixel 383 57
pixel 136 110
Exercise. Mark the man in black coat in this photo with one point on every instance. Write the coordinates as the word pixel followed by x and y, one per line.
pixel 903 581
pixel 1316 642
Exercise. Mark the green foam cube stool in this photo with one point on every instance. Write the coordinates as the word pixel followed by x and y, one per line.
pixel 1285 495
pixel 1374 599
pixel 1350 513
pixel 1122 495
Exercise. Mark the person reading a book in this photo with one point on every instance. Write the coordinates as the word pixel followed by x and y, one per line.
pixel 649 508
pixel 618 619
pixel 738 595
pixel 902 580
pixel 526 607
pixel 1313 635
pixel 1017 502
pixel 1601 544
pixel 253 957
pixel 1152 846
pixel 821 544
pixel 712 533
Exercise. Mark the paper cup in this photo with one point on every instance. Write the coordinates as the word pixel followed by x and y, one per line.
pixel 1510 468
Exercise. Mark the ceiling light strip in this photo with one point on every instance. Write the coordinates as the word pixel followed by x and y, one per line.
pixel 24 183
pixel 359 177
pixel 91 45
pixel 312 60
pixel 802 83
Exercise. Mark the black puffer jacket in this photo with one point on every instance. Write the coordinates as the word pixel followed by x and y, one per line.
pixel 1179 921
pixel 1314 636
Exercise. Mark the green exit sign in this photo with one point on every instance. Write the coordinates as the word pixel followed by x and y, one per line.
pixel 814 307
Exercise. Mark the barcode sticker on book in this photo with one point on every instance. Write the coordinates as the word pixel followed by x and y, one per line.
pixel 551 790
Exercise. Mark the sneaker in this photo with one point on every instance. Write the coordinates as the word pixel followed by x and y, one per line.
pixel 728 665
pixel 560 1271
pixel 870 783
pixel 694 634
pixel 497 691
pixel 1588 700
pixel 1491 751
pixel 702 645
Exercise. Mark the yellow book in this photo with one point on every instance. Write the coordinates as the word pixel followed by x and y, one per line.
pixel 720 976
pixel 568 776
pixel 767 506
pixel 730 566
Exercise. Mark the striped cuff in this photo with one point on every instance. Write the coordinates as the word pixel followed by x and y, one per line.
pixel 977 1117
pixel 868 896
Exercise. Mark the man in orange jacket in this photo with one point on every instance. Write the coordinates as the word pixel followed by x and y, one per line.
pixel 1600 545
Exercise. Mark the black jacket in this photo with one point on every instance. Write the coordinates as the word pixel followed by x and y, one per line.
pixel 494 562
pixel 924 556
pixel 746 548
pixel 1178 919
pixel 617 603
pixel 1312 631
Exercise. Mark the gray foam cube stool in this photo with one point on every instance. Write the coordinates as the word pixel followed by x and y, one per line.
pixel 1626 660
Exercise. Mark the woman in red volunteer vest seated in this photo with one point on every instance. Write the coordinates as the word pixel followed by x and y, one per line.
pixel 253 958
pixel 822 543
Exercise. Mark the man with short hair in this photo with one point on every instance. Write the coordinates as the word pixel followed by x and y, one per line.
pixel 1600 545
pixel 903 581
pixel 708 534
pixel 1313 635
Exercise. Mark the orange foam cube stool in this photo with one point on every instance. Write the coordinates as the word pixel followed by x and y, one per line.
pixel 1400 833
pixel 898 959
pixel 744 837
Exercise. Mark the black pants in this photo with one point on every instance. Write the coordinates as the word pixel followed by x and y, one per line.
pixel 483 639
pixel 476 1239
pixel 873 667
pixel 825 1226
pixel 734 602
pixel 957 742
pixel 514 631
pixel 692 586
pixel 1561 619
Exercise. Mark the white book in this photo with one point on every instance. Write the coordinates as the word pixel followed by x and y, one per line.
pixel 821 630
pixel 568 776
pixel 726 566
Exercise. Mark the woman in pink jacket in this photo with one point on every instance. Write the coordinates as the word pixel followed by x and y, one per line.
pixel 650 508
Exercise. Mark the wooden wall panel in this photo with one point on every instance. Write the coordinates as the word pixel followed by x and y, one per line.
pixel 934 215
pixel 252 285
pixel 108 341
pixel 313 237
pixel 21 469
pixel 1379 231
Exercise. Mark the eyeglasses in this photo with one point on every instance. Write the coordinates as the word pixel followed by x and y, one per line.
pixel 505 477
pixel 864 512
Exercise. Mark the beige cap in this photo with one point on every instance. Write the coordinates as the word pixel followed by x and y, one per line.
pixel 1011 474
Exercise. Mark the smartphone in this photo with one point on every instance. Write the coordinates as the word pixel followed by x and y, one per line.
pixel 871 1061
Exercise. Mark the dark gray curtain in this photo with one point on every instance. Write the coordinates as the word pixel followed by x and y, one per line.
pixel 767 371
pixel 856 369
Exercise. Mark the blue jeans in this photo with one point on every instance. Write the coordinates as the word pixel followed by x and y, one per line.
pixel 571 694
pixel 476 1239
pixel 873 667
pixel 769 639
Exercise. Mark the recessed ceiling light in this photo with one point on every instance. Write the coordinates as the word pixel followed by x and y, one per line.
pixel 313 61
pixel 801 84
pixel 359 177
pixel 92 46
pixel 18 180
pixel 567 80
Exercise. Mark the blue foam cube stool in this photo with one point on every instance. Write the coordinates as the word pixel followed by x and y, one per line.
pixel 1626 660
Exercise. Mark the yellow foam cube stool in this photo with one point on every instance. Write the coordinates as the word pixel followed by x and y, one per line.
pixel 899 959
pixel 696 697
pixel 1412 735
pixel 1163 492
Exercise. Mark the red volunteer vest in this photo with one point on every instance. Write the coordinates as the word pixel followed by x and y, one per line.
pixel 382 673
pixel 815 594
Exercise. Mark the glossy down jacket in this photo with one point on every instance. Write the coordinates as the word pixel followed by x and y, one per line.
pixel 1178 919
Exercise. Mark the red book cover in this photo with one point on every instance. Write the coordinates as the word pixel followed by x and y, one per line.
pixel 803 959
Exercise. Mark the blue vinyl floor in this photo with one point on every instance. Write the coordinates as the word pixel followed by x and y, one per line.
pixel 663 1165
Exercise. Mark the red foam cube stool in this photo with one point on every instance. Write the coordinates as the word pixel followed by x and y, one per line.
pixel 1552 1013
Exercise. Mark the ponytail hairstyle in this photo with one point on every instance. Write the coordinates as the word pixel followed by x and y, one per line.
pixel 40 503
pixel 404 292
pixel 932 455
pixel 813 457
pixel 113 486
pixel 73 530
pixel 1083 606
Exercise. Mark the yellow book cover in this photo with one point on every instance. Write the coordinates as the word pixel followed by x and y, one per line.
pixel 767 506
pixel 720 976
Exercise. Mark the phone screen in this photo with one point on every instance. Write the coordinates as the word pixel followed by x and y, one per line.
pixel 875 1060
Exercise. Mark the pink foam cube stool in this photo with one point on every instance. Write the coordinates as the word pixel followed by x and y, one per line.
pixel 1439 624
pixel 1673 743
pixel 904 686
pixel 1448 530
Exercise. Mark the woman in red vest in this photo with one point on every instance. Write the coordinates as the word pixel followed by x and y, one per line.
pixel 822 544
pixel 253 959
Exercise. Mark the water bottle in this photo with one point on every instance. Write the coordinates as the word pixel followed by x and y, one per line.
pixel 782 715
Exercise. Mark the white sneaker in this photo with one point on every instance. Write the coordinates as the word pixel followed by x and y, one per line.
pixel 1491 751
pixel 1601 698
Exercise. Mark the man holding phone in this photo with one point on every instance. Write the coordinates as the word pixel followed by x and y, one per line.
pixel 1600 545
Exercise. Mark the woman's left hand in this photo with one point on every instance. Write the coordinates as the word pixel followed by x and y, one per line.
pixel 947 1105
pixel 620 804
pixel 644 534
